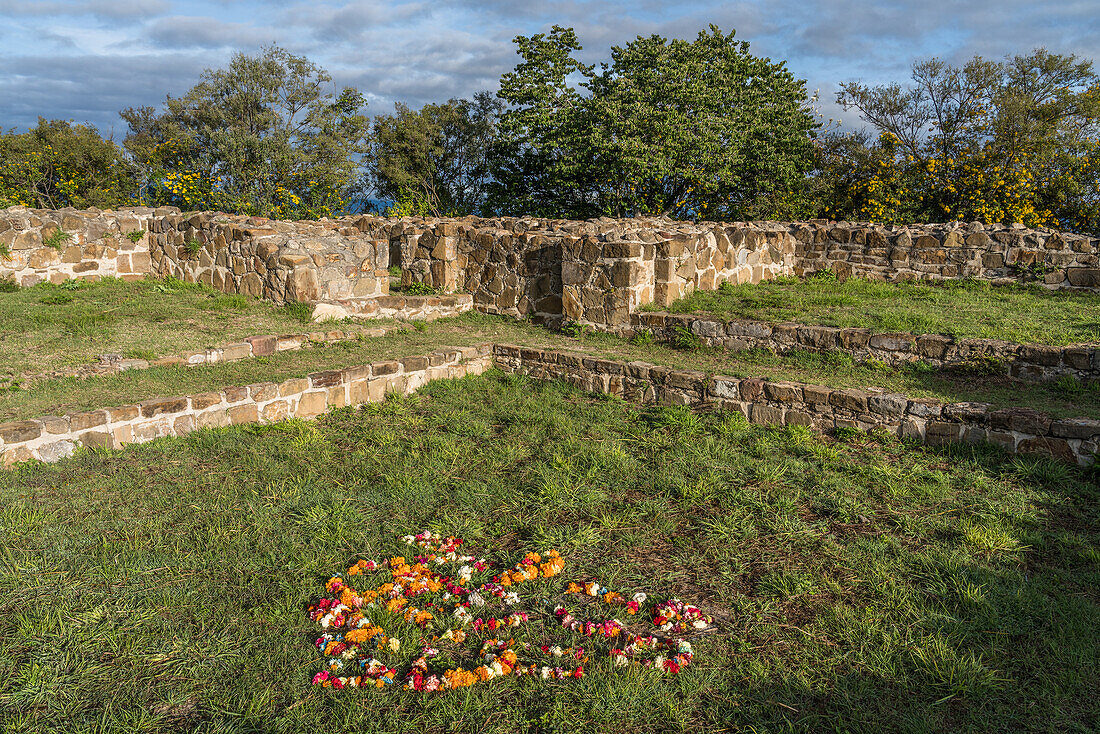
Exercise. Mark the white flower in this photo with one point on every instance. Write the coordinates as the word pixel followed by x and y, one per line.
pixel 348 654
pixel 511 598
pixel 659 662
pixel 545 672
pixel 555 651
pixel 463 615
pixel 621 660
pixel 464 573
pixel 395 644
pixel 477 599
pixel 699 624
pixel 684 647
pixel 640 597
pixel 497 668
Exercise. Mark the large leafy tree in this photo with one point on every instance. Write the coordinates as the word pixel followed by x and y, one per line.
pixel 686 129
pixel 57 164
pixel 1015 140
pixel 700 128
pixel 433 160
pixel 261 136
pixel 541 161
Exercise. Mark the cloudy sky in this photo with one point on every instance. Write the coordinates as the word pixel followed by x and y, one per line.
pixel 86 59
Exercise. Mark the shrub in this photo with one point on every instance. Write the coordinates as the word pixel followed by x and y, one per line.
pixel 420 289
pixel 684 339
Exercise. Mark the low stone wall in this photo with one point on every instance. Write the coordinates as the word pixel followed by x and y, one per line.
pixel 412 308
pixel 52 437
pixel 1032 362
pixel 253 346
pixel 278 261
pixel 947 251
pixel 38 245
pixel 819 408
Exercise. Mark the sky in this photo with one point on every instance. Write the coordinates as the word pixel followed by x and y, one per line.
pixel 84 60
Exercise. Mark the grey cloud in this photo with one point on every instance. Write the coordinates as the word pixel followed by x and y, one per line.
pixel 196 32
pixel 92 88
pixel 113 9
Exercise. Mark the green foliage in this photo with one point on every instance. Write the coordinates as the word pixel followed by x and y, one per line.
pixel 981 365
pixel 684 339
pixel 1010 141
pixel 433 160
pixel 1030 272
pixel 192 247
pixel 135 236
pixel 261 136
pixel 420 289
pixel 575 330
pixel 56 238
pixel 8 285
pixel 57 164
pixel 847 433
pixel 56 299
pixel 676 128
pixel 643 338
pixel 5 251
pixel 299 310
pixel 822 276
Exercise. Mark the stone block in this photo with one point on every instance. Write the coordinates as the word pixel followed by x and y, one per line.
pixel 262 346
pixel 276 410
pixel 247 413
pixel 161 406
pixel 766 414
pixel 851 399
pixel 205 400
pixel 263 391
pixel 311 404
pixel 783 392
pixel 85 421
pixel 752 389
pixel 96 439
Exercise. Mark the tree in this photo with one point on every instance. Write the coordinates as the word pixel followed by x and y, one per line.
pixel 261 136
pixel 699 128
pixel 434 160
pixel 678 128
pixel 57 164
pixel 1011 141
pixel 541 164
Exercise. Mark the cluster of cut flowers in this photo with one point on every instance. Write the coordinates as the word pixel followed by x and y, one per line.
pixel 447 605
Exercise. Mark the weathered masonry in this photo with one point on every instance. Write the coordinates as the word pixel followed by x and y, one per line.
pixel 597 272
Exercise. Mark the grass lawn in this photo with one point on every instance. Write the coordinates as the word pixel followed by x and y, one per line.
pixel 49 327
pixel 53 397
pixel 866 585
pixel 967 308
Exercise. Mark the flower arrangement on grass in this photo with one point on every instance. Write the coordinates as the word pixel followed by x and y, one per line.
pixel 442 620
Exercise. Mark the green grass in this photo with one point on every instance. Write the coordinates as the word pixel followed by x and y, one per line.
pixel 860 586
pixel 967 308
pixel 53 397
pixel 50 327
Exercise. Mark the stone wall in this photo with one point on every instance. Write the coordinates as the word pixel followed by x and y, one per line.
pixel 38 245
pixel 408 308
pixel 597 272
pixel 1032 362
pixel 278 261
pixel 945 251
pixel 1018 430
pixel 52 437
